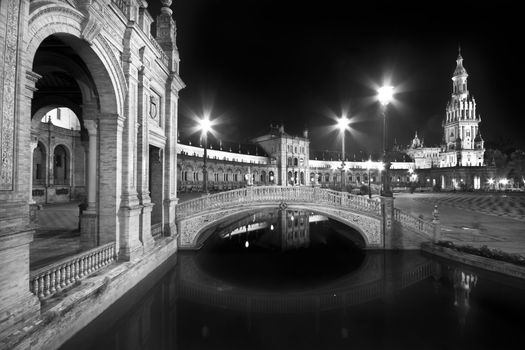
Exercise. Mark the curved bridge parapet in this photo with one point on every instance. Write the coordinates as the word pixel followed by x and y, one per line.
pixel 380 224
pixel 279 194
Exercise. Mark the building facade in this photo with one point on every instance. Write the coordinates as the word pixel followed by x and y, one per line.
pixel 100 60
pixel 456 164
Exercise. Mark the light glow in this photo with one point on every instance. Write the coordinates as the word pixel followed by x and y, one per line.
pixel 385 94
pixel 342 123
pixel 205 124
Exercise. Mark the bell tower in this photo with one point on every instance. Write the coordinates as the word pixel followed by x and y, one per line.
pixel 461 124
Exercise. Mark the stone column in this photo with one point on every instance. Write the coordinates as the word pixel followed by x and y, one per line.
pixel 88 218
pixel 142 150
pixel 170 155
pixel 130 208
pixel 33 207
pixel 91 126
pixel 110 178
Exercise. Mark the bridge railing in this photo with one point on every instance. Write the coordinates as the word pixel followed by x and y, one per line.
pixel 287 194
pixel 414 223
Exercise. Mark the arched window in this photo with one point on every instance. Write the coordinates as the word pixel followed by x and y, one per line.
pixel 60 166
pixel 62 117
pixel 271 177
pixel 39 165
pixel 295 162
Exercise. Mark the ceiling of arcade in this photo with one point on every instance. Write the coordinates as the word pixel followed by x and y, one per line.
pixel 65 78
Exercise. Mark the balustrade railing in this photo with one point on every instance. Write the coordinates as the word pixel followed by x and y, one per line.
pixel 418 274
pixel 414 223
pixel 277 193
pixel 50 279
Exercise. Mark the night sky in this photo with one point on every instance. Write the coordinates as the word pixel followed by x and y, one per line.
pixel 303 63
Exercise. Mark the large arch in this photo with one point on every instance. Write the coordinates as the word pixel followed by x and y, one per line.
pixel 64 51
pixel 103 66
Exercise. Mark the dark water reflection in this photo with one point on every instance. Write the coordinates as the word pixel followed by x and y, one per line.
pixel 315 291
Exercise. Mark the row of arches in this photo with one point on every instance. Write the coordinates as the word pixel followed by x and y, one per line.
pixel 191 176
pixel 59 164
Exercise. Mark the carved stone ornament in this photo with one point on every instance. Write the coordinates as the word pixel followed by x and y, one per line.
pixel 7 121
pixel 153 107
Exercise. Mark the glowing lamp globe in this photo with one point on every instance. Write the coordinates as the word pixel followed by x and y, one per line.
pixel 385 94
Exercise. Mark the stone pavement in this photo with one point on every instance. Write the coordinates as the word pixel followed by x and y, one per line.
pixel 493 219
pixel 56 235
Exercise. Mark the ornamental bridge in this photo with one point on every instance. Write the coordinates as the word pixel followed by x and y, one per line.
pixel 376 220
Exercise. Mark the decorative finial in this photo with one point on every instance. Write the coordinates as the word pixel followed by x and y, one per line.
pixel 166 7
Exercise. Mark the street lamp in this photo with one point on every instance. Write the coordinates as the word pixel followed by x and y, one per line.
pixel 205 127
pixel 342 124
pixel 368 166
pixel 384 95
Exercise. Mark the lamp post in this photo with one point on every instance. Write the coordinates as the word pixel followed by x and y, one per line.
pixel 205 127
pixel 384 95
pixel 368 166
pixel 342 124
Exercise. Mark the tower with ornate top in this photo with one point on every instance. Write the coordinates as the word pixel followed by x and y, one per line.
pixel 463 145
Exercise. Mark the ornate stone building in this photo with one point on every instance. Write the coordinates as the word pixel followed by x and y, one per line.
pixel 99 59
pixel 460 158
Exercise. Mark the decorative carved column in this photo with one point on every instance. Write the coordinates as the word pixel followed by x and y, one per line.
pixel 130 208
pixel 17 303
pixel 166 37
pixel 88 218
pixel 142 150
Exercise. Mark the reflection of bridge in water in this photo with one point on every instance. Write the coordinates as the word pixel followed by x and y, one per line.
pixel 379 276
pixel 127 326
pixel 377 221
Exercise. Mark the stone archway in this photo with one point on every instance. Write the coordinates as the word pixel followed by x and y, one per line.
pixel 192 228
pixel 100 92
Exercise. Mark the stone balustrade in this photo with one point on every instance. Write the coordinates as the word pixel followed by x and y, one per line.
pixel 50 279
pixel 286 194
pixel 416 224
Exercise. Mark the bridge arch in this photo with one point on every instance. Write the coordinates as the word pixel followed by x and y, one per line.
pixel 197 216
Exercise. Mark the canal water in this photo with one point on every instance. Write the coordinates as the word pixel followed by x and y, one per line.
pixel 283 279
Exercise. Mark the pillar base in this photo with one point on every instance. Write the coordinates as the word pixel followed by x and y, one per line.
pixel 170 227
pixel 131 248
pixel 145 232
pixel 88 230
pixel 17 303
